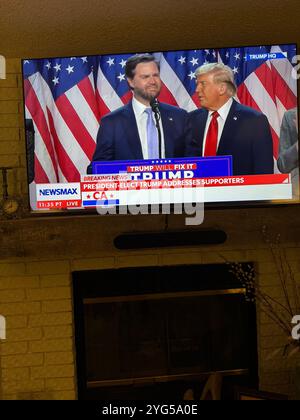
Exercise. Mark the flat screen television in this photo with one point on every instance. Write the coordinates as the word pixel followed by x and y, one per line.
pixel 218 126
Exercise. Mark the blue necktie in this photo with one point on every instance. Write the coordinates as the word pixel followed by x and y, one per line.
pixel 152 136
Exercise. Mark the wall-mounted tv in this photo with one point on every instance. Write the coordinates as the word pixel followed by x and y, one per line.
pixel 217 125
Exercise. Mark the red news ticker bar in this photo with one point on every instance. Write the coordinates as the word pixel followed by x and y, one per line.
pixel 267 179
pixel 187 183
pixel 158 168
pixel 59 204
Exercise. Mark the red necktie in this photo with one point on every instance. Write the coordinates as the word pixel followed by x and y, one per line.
pixel 212 136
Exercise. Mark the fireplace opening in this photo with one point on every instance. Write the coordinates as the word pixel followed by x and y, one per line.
pixel 154 332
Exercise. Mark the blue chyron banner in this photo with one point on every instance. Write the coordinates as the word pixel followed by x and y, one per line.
pixel 179 168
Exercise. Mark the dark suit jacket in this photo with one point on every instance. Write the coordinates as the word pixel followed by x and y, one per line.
pixel 246 136
pixel 118 137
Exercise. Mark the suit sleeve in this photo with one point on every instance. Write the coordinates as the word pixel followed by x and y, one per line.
pixel 288 147
pixel 105 143
pixel 263 161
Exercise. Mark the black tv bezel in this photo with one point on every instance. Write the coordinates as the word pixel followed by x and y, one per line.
pixel 207 205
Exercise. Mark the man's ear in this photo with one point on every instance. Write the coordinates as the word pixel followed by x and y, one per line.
pixel 222 88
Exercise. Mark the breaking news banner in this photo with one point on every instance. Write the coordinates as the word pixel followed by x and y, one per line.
pixel 165 181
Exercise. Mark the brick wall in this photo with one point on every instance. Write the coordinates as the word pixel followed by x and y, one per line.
pixel 12 145
pixel 37 358
pixel 37 257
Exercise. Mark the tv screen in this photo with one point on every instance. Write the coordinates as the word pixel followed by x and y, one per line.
pixel 218 126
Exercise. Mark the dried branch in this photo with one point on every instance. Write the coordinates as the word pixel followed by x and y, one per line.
pixel 280 313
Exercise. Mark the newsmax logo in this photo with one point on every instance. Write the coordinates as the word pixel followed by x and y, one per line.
pixel 54 192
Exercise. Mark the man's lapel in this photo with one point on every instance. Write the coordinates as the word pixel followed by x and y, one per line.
pixel 229 129
pixel 201 123
pixel 168 125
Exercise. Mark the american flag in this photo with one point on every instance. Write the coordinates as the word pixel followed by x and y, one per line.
pixel 67 97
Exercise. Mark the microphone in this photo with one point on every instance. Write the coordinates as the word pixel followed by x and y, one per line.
pixel 155 108
pixel 154 105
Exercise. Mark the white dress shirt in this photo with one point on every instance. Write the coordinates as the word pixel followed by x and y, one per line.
pixel 223 114
pixel 141 121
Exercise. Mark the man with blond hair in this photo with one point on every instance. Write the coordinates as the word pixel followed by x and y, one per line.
pixel 225 127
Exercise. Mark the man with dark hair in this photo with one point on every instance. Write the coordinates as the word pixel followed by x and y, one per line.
pixel 136 59
pixel 130 132
pixel 225 127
